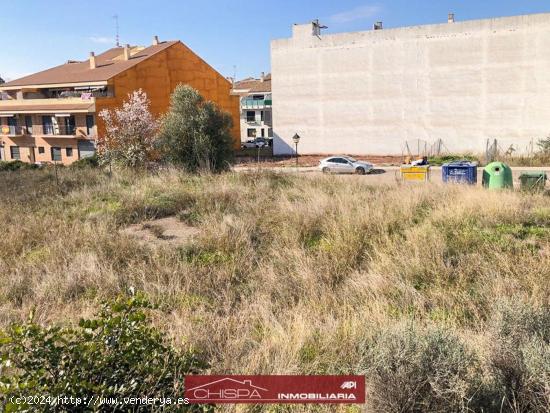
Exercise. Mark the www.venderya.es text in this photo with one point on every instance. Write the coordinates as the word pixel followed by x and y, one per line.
pixel 97 401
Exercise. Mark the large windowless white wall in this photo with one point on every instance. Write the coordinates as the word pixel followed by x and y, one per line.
pixel 370 92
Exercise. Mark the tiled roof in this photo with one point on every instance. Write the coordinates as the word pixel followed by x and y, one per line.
pixel 245 83
pixel 108 65
pixel 254 85
pixel 260 86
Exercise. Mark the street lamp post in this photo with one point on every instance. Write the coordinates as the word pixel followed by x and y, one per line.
pixel 296 139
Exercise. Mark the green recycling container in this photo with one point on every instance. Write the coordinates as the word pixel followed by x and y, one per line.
pixel 497 175
pixel 533 181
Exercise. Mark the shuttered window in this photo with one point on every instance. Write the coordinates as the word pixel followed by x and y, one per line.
pixel 56 154
pixel 14 152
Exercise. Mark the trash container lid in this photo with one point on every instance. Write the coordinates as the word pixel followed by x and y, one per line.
pixel 494 165
pixel 535 174
pixel 462 162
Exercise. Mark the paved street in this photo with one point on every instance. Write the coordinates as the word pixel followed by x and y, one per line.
pixel 386 174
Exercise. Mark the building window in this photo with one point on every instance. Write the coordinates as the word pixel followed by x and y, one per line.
pixel 28 124
pixel 69 151
pixel 14 152
pixel 47 124
pixel 270 133
pixel 263 133
pixel 56 154
pixel 41 150
pixel 90 123
pixel 262 115
pixel 12 123
pixel 70 126
pixel 251 133
pixel 251 116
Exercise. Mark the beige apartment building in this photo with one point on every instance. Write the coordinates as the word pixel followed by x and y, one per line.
pixel 370 92
pixel 52 116
pixel 256 107
pixel 45 129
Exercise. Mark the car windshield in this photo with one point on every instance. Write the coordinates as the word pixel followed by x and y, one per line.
pixel 349 158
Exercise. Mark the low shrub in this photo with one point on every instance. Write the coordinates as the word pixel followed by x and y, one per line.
pixel 117 354
pixel 413 370
pixel 16 165
pixel 520 357
pixel 89 162
pixel 440 160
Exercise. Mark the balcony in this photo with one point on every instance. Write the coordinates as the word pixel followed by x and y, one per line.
pixel 10 130
pixel 54 130
pixel 86 95
pixel 248 103
pixel 68 104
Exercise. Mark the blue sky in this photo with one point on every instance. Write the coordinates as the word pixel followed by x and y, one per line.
pixel 227 34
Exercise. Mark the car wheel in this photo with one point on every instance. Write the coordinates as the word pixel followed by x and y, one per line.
pixel 360 171
pixel 326 170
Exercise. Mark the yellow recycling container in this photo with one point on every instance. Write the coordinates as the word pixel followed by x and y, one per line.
pixel 410 173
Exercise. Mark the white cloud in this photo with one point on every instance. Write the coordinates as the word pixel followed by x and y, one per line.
pixel 359 13
pixel 102 39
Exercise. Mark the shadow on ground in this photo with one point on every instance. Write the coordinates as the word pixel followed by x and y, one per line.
pixel 377 171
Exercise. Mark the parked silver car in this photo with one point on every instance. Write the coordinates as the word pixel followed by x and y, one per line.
pixel 254 143
pixel 344 165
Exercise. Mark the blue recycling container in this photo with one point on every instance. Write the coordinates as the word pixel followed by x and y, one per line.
pixel 464 172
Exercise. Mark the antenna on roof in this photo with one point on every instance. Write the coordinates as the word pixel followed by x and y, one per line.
pixel 317 27
pixel 116 26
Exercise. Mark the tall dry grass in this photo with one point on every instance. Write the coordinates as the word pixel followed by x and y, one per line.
pixel 303 275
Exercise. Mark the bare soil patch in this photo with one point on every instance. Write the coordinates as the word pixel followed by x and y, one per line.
pixel 163 231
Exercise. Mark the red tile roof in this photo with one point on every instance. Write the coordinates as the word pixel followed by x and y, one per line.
pixel 108 65
pixel 254 85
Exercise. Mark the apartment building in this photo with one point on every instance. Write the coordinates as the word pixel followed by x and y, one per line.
pixel 459 82
pixel 255 107
pixel 52 116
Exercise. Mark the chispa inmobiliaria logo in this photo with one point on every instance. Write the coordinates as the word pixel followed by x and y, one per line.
pixel 275 389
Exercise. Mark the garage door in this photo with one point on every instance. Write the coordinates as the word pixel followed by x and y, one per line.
pixel 86 149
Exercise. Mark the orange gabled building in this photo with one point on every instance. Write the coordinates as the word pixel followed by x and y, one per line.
pixel 52 115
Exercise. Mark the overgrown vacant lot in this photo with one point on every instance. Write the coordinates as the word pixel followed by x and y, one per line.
pixel 438 294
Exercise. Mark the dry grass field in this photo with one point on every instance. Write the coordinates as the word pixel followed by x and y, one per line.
pixel 440 295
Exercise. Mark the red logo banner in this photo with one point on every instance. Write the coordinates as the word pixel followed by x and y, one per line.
pixel 275 389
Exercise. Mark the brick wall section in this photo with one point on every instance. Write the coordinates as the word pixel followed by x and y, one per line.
pixel 160 74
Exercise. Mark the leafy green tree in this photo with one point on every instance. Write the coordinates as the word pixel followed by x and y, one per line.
pixel 195 134
pixel 116 355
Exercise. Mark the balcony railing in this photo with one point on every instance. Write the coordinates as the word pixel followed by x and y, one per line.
pixel 46 130
pixel 256 103
pixel 13 130
pixel 85 95
pixel 54 130
pixel 48 105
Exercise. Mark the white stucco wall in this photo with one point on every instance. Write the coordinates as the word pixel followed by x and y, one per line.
pixel 259 123
pixel 369 92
